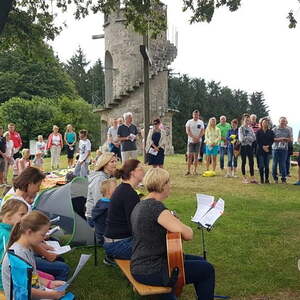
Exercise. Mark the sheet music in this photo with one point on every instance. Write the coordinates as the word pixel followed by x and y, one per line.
pixel 208 211
pixel 82 261
pixel 213 214
pixel 57 247
pixel 204 203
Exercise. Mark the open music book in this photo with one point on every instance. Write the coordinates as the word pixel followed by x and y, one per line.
pixel 208 210
pixel 57 248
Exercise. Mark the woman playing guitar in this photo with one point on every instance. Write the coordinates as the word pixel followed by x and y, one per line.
pixel 151 221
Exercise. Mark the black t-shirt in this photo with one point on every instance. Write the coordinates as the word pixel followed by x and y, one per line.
pixel 2 145
pixel 122 202
pixel 149 251
pixel 124 131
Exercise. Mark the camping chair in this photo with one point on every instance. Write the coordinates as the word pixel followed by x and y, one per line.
pixel 21 274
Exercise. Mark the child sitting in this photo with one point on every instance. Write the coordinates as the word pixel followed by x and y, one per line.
pixel 38 160
pixel 99 212
pixel 11 213
pixel 26 234
pixel 21 163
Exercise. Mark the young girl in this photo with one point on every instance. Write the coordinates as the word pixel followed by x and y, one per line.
pixel 212 141
pixel 246 138
pixel 21 163
pixel 11 213
pixel 30 232
pixel 82 165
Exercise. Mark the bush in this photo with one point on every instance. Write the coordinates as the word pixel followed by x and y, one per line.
pixel 38 115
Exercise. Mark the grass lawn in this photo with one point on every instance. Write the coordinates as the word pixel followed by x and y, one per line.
pixel 254 246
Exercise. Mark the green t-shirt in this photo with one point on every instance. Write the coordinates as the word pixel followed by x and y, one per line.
pixel 224 129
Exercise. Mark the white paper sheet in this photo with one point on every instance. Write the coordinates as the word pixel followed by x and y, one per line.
pixel 204 203
pixel 208 211
pixel 82 261
pixel 58 250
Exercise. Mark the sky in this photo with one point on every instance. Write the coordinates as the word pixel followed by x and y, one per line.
pixel 251 49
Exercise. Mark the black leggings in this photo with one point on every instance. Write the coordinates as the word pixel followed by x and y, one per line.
pixel 247 151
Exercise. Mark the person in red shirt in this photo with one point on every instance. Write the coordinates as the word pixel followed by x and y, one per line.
pixel 16 138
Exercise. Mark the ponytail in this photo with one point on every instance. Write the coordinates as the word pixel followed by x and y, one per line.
pixel 125 171
pixel 14 235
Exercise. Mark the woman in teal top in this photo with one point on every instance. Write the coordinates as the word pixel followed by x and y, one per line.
pixel 70 140
pixel 11 213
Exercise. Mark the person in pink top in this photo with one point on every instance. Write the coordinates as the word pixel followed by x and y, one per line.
pixel 55 144
pixel 16 138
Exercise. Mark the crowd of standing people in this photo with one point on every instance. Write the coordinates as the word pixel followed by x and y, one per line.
pixel 261 140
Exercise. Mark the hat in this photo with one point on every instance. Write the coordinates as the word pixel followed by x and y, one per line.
pixel 103 160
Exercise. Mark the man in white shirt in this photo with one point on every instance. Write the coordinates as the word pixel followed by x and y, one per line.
pixel 82 165
pixel 194 130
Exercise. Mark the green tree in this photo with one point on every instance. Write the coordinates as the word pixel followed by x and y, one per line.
pixel 24 76
pixel 258 105
pixel 76 68
pixel 212 100
pixel 96 84
pixel 42 113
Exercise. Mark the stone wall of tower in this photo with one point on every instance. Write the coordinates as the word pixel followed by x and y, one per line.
pixel 124 76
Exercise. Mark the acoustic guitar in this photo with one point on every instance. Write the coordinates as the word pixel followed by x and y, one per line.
pixel 175 259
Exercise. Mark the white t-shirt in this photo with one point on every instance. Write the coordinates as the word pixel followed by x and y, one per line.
pixel 9 148
pixel 195 128
pixel 113 133
pixel 40 147
pixel 84 147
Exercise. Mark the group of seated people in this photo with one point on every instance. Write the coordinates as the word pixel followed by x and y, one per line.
pixel 24 231
pixel 134 229
pixel 126 226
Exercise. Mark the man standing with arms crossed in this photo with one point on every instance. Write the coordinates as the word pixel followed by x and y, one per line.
pixel 195 130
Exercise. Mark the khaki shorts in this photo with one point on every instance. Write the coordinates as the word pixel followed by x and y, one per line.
pixel 194 147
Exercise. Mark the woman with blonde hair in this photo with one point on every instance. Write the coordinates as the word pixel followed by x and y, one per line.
pixel 55 144
pixel 151 221
pixel 212 141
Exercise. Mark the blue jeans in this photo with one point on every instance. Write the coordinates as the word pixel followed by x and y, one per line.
pixel 232 160
pixel 58 269
pixel 264 161
pixel 222 154
pixel 288 164
pixel 279 157
pixel 197 271
pixel 121 249
pixel 82 169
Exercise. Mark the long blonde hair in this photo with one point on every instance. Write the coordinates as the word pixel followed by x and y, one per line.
pixel 209 127
pixel 34 221
pixel 10 207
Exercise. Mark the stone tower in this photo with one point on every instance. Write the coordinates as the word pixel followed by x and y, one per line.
pixel 124 76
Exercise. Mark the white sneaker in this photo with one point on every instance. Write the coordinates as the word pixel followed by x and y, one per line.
pixel 227 175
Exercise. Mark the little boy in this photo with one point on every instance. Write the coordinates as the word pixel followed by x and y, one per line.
pixel 99 212
pixel 82 165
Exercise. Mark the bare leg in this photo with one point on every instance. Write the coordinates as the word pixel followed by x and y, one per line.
pixel 195 155
pixel 214 162
pixel 207 162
